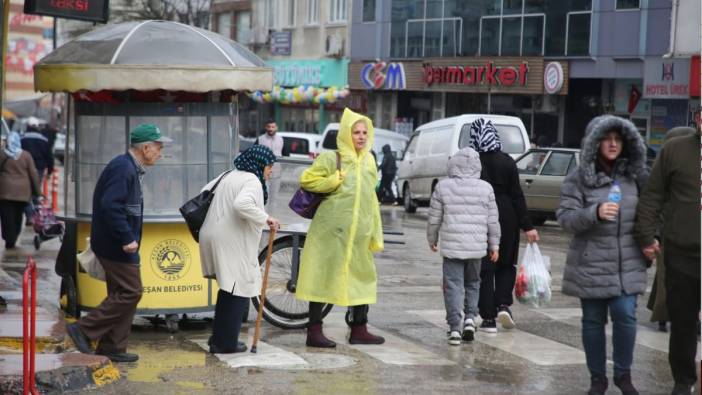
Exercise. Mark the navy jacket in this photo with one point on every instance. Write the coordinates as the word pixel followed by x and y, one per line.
pixel 38 145
pixel 118 206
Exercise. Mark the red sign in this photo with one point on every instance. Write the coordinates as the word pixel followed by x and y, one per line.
pixel 695 76
pixel 476 75
pixel 87 10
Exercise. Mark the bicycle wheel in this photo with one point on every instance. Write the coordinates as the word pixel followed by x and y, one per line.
pixel 282 308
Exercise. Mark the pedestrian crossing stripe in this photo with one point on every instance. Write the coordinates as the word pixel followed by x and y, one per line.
pixel 533 348
pixel 266 355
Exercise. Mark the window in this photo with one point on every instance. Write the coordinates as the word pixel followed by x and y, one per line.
pixel 578 34
pixel 330 139
pixel 529 164
pixel 412 146
pixel 337 11
pixel 368 10
pixel 312 12
pixel 432 39
pixel 558 164
pixel 628 4
pixel 243 27
pixel 296 145
pixel 490 36
pixel 224 24
pixel 533 36
pixel 511 33
pixel 510 137
pixel 290 22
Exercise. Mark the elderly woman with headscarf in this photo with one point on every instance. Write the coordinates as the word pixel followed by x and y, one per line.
pixel 337 264
pixel 229 241
pixel 19 182
pixel 497 279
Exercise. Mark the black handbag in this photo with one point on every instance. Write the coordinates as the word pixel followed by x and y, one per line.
pixel 194 211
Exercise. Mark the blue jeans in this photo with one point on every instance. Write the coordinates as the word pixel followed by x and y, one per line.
pixel 622 309
pixel 461 290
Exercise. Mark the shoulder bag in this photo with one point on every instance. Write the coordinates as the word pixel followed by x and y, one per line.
pixel 306 203
pixel 194 211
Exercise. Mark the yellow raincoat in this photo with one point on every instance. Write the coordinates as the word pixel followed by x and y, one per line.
pixel 337 261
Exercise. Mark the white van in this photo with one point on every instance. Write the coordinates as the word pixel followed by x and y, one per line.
pixel 432 144
pixel 300 145
pixel 397 141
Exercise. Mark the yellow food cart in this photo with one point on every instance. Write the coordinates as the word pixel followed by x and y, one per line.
pixel 185 80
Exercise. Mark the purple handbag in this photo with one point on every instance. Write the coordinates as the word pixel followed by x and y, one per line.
pixel 305 203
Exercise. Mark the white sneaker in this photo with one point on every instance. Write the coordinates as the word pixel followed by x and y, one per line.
pixel 504 316
pixel 454 338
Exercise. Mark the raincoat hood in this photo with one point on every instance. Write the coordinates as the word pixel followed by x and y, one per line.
pixel 631 162
pixel 344 142
pixel 387 150
pixel 465 164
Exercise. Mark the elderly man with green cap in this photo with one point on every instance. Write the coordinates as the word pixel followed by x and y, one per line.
pixel 115 235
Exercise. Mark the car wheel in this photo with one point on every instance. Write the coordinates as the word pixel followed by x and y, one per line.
pixel 410 205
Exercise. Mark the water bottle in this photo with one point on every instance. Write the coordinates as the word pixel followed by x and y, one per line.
pixel 615 194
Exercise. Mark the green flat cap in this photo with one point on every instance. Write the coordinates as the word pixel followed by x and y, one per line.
pixel 147 132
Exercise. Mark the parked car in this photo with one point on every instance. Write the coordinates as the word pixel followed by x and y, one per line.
pixel 432 144
pixel 300 145
pixel 397 141
pixel 541 174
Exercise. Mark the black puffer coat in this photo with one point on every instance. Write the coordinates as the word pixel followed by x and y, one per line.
pixel 604 261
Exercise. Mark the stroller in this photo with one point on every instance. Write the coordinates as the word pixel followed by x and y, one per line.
pixel 45 224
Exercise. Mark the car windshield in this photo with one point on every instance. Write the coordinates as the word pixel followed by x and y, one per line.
pixel 330 140
pixel 510 137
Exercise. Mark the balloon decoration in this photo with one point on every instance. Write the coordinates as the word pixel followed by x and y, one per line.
pixel 300 94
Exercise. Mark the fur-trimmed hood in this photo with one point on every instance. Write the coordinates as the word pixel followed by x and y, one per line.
pixel 631 163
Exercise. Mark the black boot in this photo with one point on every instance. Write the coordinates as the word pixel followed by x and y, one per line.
pixel 598 385
pixel 316 338
pixel 625 385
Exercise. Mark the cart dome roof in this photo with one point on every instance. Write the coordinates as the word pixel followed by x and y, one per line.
pixel 146 55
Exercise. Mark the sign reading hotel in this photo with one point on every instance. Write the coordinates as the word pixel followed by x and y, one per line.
pixel 518 75
pixel 666 78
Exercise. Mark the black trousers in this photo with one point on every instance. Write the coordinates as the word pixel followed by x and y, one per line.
pixel 683 302
pixel 496 285
pixel 11 221
pixel 359 314
pixel 229 313
pixel 385 191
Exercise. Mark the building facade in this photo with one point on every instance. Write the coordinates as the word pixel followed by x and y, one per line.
pixel 565 62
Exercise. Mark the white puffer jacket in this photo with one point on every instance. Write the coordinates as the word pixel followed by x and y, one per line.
pixel 463 213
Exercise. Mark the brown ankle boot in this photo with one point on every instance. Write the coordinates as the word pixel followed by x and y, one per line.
pixel 360 335
pixel 316 338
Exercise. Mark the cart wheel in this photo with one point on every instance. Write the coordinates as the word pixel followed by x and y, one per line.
pixel 282 308
pixel 68 298
pixel 172 323
pixel 37 242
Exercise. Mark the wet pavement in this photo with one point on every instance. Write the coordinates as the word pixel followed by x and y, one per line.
pixel 542 356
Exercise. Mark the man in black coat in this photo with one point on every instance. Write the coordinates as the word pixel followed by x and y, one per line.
pixel 41 149
pixel 388 169
pixel 497 279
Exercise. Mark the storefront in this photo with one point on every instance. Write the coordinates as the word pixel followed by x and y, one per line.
pixel 401 94
pixel 307 94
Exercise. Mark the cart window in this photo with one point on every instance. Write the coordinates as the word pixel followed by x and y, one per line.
pixel 222 144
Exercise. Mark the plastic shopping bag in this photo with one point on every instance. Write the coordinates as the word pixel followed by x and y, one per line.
pixel 90 263
pixel 533 286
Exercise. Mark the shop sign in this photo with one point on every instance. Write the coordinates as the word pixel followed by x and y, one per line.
pixel 553 78
pixel 281 42
pixel 383 75
pixel 316 73
pixel 489 74
pixel 666 78
pixel 87 10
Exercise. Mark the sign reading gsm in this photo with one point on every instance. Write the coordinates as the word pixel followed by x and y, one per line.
pixel 383 75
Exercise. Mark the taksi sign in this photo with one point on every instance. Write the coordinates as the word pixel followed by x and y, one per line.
pixel 666 78
pixel 489 74
pixel 383 75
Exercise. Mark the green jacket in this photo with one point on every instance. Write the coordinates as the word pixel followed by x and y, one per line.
pixel 674 184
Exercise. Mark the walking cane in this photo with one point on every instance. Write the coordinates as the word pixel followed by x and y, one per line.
pixel 271 237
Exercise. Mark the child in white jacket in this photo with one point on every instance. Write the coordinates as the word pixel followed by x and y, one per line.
pixel 463 219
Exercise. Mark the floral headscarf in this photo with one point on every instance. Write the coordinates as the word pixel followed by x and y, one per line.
pixel 484 137
pixel 13 148
pixel 254 160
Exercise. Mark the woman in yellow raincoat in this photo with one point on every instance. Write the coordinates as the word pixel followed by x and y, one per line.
pixel 337 262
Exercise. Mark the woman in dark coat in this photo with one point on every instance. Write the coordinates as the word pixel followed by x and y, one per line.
pixel 497 279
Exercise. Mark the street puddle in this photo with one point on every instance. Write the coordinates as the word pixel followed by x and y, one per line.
pixel 155 361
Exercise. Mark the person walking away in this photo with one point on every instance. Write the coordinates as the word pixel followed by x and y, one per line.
pixel 274 142
pixel 337 262
pixel 604 268
pixel 41 148
pixel 229 241
pixel 463 216
pixel 673 193
pixel 388 170
pixel 19 182
pixel 115 237
pixel 657 299
pixel 497 279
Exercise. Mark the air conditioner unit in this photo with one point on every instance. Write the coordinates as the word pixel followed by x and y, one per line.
pixel 334 46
